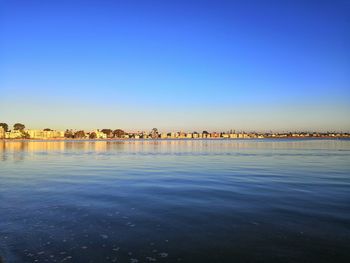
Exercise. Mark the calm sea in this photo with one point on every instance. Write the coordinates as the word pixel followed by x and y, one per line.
pixel 175 201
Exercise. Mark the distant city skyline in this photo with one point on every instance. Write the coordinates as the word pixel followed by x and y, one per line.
pixel 176 65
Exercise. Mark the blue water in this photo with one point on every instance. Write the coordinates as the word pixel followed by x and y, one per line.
pixel 175 201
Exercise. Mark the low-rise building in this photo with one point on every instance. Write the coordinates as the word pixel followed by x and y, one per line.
pixel 100 135
pixel 174 135
pixel 243 136
pixel 42 134
pixel 182 135
pixel 14 134
pixel 2 133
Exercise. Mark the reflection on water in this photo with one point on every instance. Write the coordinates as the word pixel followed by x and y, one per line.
pixel 175 201
pixel 171 145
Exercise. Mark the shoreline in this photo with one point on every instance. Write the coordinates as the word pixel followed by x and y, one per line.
pixel 180 139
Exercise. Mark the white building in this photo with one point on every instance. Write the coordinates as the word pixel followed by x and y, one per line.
pixel 42 134
pixel 100 135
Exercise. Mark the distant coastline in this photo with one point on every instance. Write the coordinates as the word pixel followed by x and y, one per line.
pixel 176 139
pixel 19 132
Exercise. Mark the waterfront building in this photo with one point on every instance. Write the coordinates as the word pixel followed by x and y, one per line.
pixel 100 135
pixel 174 135
pixel 214 135
pixel 14 134
pixel 2 133
pixel 243 136
pixel 41 134
pixel 182 135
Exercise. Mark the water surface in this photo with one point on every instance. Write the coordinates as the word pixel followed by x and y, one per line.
pixel 175 201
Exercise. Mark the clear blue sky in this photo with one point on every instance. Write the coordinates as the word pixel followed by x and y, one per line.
pixel 176 65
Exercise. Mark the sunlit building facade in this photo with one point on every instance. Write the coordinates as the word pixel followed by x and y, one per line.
pixel 41 134
pixel 100 135
pixel 2 133
pixel 14 134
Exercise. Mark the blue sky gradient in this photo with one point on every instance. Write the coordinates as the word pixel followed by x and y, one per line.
pixel 176 65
